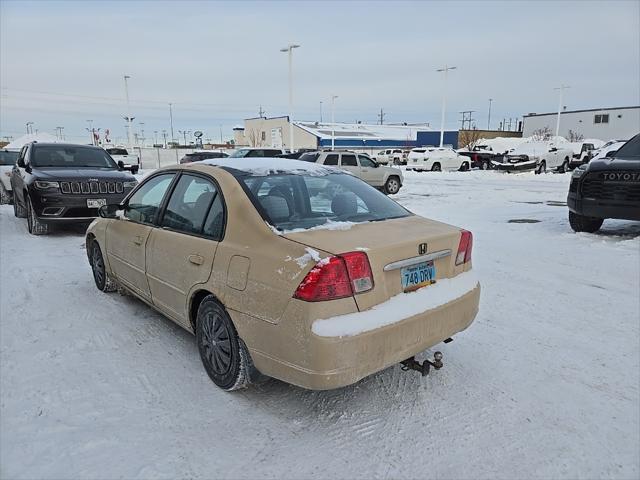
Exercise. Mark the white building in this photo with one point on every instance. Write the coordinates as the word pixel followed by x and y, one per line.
pixel 602 123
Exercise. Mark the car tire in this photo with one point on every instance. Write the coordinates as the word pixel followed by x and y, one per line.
pixel 392 185
pixel 5 197
pixel 18 210
pixel 436 167
pixel 35 226
pixel 542 168
pixel 98 267
pixel 564 168
pixel 581 223
pixel 224 356
pixel 485 165
pixel 464 167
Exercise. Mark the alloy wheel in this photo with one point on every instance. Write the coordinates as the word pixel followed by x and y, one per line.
pixel 216 343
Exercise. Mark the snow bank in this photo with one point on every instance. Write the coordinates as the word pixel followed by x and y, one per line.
pixel 398 308
pixel 328 225
pixel 260 167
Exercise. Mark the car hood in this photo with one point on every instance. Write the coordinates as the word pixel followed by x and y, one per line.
pixel 81 174
pixel 609 164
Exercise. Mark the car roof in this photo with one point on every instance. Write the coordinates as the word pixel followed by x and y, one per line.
pixel 263 166
pixel 60 144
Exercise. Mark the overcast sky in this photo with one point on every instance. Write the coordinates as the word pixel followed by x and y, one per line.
pixel 62 63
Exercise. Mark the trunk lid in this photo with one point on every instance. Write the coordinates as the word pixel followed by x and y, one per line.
pixel 386 242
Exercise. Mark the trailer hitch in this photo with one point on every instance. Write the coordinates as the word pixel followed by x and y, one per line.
pixel 425 367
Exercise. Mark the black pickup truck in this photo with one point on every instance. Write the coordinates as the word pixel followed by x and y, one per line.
pixel 481 157
pixel 65 183
pixel 606 188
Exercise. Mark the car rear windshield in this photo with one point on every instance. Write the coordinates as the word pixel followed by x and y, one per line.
pixel 74 157
pixel 293 201
pixel 630 150
pixel 309 157
pixel 117 151
pixel 8 158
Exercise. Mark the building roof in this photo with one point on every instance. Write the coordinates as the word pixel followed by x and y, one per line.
pixel 361 131
pixel 533 114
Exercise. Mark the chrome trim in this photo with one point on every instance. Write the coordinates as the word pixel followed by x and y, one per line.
pixel 412 261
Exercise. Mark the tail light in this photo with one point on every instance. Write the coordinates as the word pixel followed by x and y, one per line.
pixel 465 247
pixel 336 277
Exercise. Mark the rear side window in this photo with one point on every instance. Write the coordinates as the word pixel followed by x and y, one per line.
pixel 349 161
pixel 189 204
pixel 214 224
pixel 331 159
pixel 143 205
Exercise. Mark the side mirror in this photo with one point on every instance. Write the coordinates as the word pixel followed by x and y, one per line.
pixel 120 165
pixel 611 154
pixel 109 211
pixel 553 149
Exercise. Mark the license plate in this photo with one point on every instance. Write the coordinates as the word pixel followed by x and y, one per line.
pixel 96 202
pixel 417 276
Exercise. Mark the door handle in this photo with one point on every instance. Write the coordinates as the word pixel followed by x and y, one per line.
pixel 138 240
pixel 195 259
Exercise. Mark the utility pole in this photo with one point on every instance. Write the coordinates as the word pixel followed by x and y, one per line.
pixel 221 142
pixel 128 117
pixel 467 118
pixel 320 111
pixel 184 134
pixel 29 127
pixel 489 116
pixel 381 116
pixel 170 122
pixel 261 113
pixel 289 50
pixel 164 134
pixel 333 122
pixel 444 69
pixel 561 90
pixel 155 137
pixel 142 133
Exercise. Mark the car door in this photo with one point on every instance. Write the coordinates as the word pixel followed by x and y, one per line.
pixel 370 173
pixel 349 163
pixel 180 252
pixel 127 238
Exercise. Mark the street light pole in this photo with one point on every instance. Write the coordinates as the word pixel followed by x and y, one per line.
pixel 561 90
pixel 289 49
pixel 445 69
pixel 171 119
pixel 489 117
pixel 93 140
pixel 333 123
pixel 320 111
pixel 29 127
pixel 126 93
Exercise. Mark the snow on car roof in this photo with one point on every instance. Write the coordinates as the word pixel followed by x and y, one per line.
pixel 263 166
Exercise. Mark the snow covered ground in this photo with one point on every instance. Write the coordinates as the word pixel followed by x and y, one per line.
pixel 544 384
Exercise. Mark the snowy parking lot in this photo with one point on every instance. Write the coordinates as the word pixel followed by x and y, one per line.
pixel 544 384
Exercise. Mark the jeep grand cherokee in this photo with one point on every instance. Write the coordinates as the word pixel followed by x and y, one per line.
pixel 65 183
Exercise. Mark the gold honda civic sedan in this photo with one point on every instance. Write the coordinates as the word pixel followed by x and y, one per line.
pixel 287 269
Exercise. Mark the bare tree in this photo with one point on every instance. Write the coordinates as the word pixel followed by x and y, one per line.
pixel 542 134
pixel 575 136
pixel 469 138
pixel 255 138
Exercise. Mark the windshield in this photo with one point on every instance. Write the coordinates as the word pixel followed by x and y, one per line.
pixel 240 153
pixel 630 150
pixel 74 157
pixel 291 201
pixel 7 157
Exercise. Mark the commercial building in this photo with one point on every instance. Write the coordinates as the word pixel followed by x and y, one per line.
pixel 274 132
pixel 601 123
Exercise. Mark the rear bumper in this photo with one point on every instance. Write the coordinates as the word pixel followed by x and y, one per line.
pixel 322 363
pixel 589 207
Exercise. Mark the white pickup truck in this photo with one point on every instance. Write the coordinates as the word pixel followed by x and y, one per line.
pixel 120 154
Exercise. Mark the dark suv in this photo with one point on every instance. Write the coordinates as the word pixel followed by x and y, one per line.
pixel 64 183
pixel 199 156
pixel 606 188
